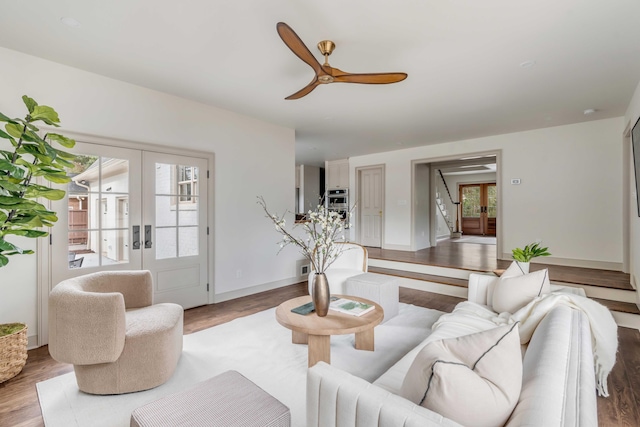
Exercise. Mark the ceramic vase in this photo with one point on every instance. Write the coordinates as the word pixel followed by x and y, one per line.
pixel 320 294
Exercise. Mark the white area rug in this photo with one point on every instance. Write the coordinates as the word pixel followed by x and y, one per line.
pixel 257 347
pixel 482 240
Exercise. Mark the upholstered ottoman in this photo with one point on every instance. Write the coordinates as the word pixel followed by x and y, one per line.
pixel 379 288
pixel 226 400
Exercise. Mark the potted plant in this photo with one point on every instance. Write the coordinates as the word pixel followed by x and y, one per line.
pixel 21 214
pixel 524 256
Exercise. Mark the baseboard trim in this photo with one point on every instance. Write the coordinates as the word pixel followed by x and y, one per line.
pixel 398 247
pixel 32 342
pixel 251 290
pixel 571 262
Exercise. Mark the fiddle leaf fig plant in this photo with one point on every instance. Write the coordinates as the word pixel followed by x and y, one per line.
pixel 530 251
pixel 31 156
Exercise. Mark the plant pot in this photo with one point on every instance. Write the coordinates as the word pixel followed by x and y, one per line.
pixel 524 266
pixel 320 294
pixel 13 352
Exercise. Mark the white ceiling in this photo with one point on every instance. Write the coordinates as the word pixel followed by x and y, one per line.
pixel 463 59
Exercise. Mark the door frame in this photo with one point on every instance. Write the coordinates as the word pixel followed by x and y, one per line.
pixel 432 187
pixel 44 285
pixel 357 199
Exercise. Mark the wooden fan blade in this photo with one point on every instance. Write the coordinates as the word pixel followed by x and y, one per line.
pixel 305 90
pixel 369 78
pixel 293 42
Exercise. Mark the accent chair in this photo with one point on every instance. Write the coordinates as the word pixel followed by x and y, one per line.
pixel 107 326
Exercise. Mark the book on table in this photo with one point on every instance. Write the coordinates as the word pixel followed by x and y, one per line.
pixel 348 306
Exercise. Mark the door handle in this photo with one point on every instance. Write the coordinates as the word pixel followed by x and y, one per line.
pixel 136 237
pixel 147 237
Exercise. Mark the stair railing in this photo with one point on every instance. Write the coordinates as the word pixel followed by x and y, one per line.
pixel 457 204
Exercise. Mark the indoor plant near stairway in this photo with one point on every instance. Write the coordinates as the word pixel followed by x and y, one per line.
pixel 524 256
pixel 27 156
pixel 323 228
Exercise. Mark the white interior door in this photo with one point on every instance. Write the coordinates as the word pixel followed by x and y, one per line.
pixel 371 206
pixel 130 210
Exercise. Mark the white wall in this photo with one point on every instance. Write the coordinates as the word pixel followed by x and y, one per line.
pixel 245 167
pixel 632 115
pixel 570 194
pixel 422 201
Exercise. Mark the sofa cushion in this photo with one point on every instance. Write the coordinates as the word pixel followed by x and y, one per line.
pixel 512 293
pixel 473 379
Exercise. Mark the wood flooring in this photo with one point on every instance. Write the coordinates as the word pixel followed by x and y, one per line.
pixel 478 257
pixel 19 402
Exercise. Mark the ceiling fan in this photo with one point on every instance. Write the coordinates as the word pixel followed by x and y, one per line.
pixel 325 73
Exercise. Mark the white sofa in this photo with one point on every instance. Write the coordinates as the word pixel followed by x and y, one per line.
pixel 558 386
pixel 351 262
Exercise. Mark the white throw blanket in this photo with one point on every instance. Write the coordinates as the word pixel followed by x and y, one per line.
pixel 604 330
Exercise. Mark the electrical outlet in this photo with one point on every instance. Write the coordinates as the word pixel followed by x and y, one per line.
pixel 515 181
pixel 238 273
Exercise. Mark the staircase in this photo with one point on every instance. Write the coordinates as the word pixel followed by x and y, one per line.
pixel 454 230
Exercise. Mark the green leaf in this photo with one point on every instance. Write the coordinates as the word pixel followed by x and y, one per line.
pixel 5 135
pixel 10 186
pixel 8 246
pixel 46 215
pixel 29 102
pixel 62 140
pixel 61 163
pixel 6 119
pixel 11 203
pixel 35 190
pixel 46 114
pixel 3 260
pixel 14 129
pixel 26 222
pixel 66 155
pixel 58 178
pixel 28 233
pixel 13 170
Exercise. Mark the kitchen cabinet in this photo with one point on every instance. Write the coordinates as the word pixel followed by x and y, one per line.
pixel 337 174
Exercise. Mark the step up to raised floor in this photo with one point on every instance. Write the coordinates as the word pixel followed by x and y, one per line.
pixel 611 291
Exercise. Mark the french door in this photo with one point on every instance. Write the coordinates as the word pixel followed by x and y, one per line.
pixel 479 209
pixel 130 209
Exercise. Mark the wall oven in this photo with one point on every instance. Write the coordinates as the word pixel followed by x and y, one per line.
pixel 338 201
pixel 338 198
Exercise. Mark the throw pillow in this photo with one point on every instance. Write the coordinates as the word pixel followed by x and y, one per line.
pixel 512 293
pixel 474 380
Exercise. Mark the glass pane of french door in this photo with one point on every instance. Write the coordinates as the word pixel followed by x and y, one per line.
pixel 492 201
pixel 471 201
pixel 93 232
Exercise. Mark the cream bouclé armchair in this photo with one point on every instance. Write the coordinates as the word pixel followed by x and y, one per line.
pixel 106 325
pixel 352 261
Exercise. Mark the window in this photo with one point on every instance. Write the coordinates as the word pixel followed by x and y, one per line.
pixel 187 183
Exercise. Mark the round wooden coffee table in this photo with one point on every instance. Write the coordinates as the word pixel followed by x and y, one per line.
pixel 316 331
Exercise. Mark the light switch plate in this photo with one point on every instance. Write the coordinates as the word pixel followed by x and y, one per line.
pixel 515 181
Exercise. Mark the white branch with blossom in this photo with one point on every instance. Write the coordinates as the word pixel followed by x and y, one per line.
pixel 323 228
